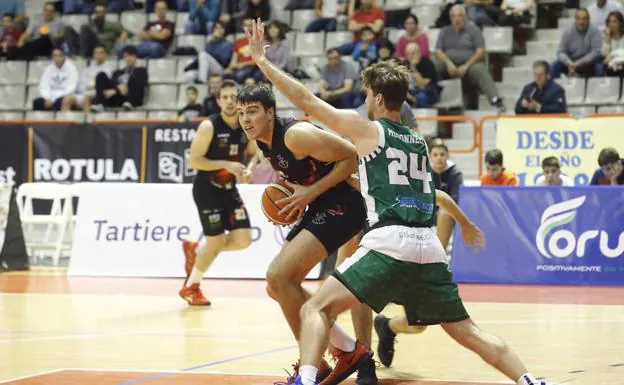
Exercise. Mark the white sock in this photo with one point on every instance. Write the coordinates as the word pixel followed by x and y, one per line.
pixel 528 379
pixel 195 277
pixel 308 374
pixel 341 340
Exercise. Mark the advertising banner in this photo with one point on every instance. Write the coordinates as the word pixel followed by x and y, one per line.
pixel 544 235
pixel 168 147
pixel 526 141
pixel 13 154
pixel 86 153
pixel 136 230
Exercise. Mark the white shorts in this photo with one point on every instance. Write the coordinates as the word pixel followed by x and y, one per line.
pixel 409 244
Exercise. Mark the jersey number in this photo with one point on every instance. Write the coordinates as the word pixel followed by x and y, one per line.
pixel 233 149
pixel 397 168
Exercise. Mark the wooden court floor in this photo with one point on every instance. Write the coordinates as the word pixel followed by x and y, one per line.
pixel 56 329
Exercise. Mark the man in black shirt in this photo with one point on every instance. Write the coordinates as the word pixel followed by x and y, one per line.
pixel 126 88
pixel 424 90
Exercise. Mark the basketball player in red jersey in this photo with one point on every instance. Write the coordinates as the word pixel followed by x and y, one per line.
pixel 317 164
pixel 217 152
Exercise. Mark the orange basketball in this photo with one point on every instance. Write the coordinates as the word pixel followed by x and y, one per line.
pixel 273 193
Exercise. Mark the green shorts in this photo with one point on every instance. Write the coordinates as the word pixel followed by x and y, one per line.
pixel 426 291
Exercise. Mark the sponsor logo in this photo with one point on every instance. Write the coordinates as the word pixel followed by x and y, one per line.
pixel 282 162
pixel 413 203
pixel 7 176
pixel 174 167
pixel 563 243
pixel 143 231
pixel 84 169
pixel 173 135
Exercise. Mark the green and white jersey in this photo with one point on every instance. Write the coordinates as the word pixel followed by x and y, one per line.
pixel 395 179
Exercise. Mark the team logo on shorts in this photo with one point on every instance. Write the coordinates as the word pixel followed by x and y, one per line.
pixel 319 218
pixel 214 218
pixel 282 162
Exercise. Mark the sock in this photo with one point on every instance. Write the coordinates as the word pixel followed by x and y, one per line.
pixel 195 277
pixel 341 340
pixel 308 374
pixel 528 379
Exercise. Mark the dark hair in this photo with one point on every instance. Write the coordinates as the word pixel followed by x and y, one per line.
pixel 9 14
pixel 281 35
pixel 257 93
pixel 227 83
pixel 385 43
pixel 494 157
pixel 544 64
pixel 411 16
pixel 607 156
pixel 130 50
pixel 100 46
pixel 332 50
pixel 551 161
pixel 389 79
pixel 100 3
pixel 192 88
pixel 219 22
pixel 437 143
pixel 618 15
pixel 367 28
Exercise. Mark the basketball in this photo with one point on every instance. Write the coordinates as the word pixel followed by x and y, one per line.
pixel 273 193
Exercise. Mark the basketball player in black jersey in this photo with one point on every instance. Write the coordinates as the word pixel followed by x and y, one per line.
pixel 218 151
pixel 317 164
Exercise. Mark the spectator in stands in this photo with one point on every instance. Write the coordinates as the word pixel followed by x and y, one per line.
pixel 579 49
pixel 58 84
pixel 249 82
pixel 337 79
pixel 328 12
pixel 448 178
pixel 611 168
pixel 180 5
pixel 241 65
pixel 15 8
pixel 482 12
pixel 460 51
pixel 599 12
pixel 192 109
pixel 258 9
pixel 385 50
pixel 424 90
pixel 157 36
pixel 100 31
pixel 496 175
pixel 300 4
pixel 232 12
pixel 87 6
pixel 515 12
pixel 366 16
pixel 542 96
pixel 202 16
pixel 41 37
pixel 552 174
pixel 210 105
pixel 365 50
pixel 279 51
pixel 413 34
pixel 9 36
pixel 613 45
pixel 214 60
pixel 127 87
pixel 86 86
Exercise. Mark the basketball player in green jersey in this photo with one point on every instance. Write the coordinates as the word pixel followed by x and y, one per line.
pixel 400 258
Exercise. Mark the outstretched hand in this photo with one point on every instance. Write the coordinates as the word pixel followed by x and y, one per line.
pixel 473 236
pixel 255 36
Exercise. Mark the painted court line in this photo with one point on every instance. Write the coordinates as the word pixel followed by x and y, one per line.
pixel 32 376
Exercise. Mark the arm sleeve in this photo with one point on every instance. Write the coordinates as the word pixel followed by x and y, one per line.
pixel 556 103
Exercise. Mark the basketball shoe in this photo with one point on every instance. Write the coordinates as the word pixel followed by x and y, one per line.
pixel 385 346
pixel 191 294
pixel 347 363
pixel 294 379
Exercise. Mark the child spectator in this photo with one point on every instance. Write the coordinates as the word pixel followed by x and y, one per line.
pixel 192 109
pixel 552 174
pixel 610 171
pixel 496 175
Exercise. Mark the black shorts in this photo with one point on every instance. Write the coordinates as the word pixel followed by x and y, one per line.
pixel 334 222
pixel 219 209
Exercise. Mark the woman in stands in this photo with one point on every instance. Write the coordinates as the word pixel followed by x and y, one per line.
pixel 613 45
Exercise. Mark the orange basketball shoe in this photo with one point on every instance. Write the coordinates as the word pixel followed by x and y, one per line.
pixel 194 296
pixel 189 248
pixel 347 363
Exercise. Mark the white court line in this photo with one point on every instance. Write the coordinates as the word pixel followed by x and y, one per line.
pixel 31 376
pixel 231 373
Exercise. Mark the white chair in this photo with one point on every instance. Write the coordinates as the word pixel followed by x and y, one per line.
pixel 427 14
pixel 574 89
pixel 13 72
pixel 133 21
pixel 57 221
pixel 451 95
pixel 12 97
pixel 35 70
pixel 426 127
pixel 310 44
pixel 162 70
pixel 302 18
pixel 396 5
pixel 338 38
pixel 131 115
pixel 603 90
pixel 196 41
pixel 517 75
pixel 542 47
pixel 162 97
pixel 432 35
pixel 498 39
